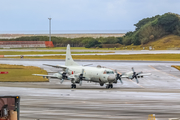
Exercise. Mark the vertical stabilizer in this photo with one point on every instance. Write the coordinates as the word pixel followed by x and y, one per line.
pixel 69 60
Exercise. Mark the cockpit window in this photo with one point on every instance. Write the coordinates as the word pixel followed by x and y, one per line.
pixel 108 72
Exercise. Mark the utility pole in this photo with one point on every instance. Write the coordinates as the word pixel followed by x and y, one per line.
pixel 49 29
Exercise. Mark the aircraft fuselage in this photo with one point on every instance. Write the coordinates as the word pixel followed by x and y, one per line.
pixel 101 75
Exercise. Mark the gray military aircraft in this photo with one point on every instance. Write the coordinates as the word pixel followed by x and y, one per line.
pixel 77 73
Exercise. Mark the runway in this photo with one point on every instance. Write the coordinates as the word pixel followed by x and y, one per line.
pixel 157 94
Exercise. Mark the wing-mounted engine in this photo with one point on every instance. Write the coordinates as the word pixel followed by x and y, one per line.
pixel 78 78
pixel 139 75
pixel 118 77
pixel 64 75
pixel 135 75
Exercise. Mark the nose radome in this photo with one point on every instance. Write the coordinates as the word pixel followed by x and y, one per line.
pixel 111 77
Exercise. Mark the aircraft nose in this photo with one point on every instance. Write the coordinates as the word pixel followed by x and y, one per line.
pixel 111 78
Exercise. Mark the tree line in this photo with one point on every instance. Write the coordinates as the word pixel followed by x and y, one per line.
pixel 147 29
pixel 74 42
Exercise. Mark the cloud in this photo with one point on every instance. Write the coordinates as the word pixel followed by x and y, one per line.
pixel 32 15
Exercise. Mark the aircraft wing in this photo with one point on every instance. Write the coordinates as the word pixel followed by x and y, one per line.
pixel 56 66
pixel 46 76
pixel 144 74
pixel 124 76
pixel 139 75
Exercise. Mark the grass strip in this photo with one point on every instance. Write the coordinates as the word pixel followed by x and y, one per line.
pixel 143 57
pixel 19 73
pixel 35 52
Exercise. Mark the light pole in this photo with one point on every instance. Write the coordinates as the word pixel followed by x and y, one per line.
pixel 49 29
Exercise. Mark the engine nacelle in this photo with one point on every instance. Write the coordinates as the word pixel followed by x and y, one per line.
pixel 76 80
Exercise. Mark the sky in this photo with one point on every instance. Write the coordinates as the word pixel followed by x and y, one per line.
pixel 79 16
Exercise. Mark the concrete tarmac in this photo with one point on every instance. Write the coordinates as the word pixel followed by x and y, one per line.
pixel 157 94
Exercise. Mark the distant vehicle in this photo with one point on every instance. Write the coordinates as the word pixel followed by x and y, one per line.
pixel 77 73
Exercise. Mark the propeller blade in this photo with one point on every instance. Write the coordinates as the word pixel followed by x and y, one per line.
pixel 81 77
pixel 80 83
pixel 139 73
pixel 136 80
pixel 82 71
pixel 62 81
pixel 118 77
pixel 121 81
pixel 135 75
pixel 132 69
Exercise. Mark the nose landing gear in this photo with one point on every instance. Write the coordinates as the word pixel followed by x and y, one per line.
pixel 73 85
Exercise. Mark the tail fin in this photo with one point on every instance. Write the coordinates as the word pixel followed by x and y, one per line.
pixel 69 60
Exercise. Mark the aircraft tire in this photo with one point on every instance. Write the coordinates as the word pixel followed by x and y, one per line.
pixel 73 86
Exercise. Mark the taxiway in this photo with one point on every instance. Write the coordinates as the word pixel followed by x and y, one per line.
pixel 157 94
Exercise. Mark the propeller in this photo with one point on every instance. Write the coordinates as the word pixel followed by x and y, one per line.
pixel 135 75
pixel 118 76
pixel 81 77
pixel 64 76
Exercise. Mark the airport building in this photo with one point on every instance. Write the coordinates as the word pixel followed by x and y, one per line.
pixel 25 44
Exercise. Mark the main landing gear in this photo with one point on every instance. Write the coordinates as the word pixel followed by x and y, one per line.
pixel 109 86
pixel 73 85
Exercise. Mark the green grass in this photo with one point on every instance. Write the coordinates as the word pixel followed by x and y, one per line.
pixel 151 57
pixel 18 73
pixel 170 41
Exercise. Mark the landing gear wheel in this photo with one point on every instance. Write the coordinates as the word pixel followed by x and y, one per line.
pixel 107 86
pixel 101 84
pixel 73 86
